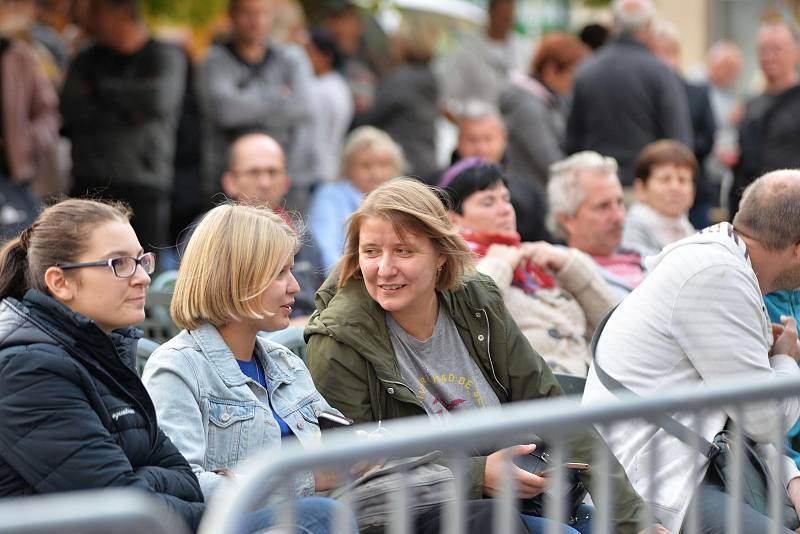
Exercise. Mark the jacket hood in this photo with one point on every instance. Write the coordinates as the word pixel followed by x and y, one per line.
pixel 722 235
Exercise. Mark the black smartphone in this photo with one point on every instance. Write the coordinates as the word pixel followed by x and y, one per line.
pixel 329 420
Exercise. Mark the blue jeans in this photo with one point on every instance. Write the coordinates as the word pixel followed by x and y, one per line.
pixel 711 505
pixel 583 525
pixel 312 515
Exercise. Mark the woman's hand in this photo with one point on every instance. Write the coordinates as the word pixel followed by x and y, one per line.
pixel 547 256
pixel 511 255
pixel 326 480
pixel 528 485
pixel 224 471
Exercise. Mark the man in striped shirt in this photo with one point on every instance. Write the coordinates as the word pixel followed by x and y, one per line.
pixel 698 320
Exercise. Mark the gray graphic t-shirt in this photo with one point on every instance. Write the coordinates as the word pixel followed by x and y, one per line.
pixel 439 369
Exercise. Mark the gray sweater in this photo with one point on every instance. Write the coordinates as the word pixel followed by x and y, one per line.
pixel 272 97
pixel 536 122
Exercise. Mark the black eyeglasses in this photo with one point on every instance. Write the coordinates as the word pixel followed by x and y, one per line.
pixel 123 267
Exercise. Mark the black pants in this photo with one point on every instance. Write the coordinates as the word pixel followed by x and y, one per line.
pixel 151 209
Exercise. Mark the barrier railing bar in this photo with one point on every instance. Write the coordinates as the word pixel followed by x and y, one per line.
pixel 111 510
pixel 498 427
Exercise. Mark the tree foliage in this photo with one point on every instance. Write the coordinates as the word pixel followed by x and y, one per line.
pixel 195 13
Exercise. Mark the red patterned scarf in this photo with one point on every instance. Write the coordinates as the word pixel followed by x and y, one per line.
pixel 529 277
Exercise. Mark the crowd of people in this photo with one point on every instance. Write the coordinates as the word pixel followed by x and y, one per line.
pixel 297 181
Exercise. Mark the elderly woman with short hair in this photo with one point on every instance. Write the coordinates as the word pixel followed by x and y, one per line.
pixel 369 158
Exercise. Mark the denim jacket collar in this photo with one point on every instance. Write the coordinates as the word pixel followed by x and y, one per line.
pixel 213 346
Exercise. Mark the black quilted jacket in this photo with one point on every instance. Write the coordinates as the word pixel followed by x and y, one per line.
pixel 73 413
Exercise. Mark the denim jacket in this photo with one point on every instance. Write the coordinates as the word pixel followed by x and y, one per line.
pixel 217 416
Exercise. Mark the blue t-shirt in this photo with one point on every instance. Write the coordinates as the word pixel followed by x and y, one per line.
pixel 254 370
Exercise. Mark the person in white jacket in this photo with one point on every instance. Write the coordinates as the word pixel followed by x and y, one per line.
pixel 696 321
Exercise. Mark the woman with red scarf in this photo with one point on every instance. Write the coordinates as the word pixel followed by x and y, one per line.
pixel 553 293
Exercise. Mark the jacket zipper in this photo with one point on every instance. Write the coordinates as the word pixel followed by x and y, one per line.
pixel 489 353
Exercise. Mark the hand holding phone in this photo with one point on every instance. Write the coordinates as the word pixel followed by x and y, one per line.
pixel 539 464
pixel 578 466
pixel 329 420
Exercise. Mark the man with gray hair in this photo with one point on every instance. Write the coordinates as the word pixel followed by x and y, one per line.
pixel 624 97
pixel 587 212
pixel 698 320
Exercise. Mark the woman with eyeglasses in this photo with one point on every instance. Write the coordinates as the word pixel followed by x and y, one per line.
pixel 75 414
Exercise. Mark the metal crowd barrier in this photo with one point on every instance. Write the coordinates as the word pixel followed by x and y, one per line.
pixel 117 510
pixel 553 420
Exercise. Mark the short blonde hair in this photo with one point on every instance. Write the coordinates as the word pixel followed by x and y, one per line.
pixel 235 252
pixel 412 208
pixel 370 138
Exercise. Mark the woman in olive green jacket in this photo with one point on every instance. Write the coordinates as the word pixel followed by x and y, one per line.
pixel 403 256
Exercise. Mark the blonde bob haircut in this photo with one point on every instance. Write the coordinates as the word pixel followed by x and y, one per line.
pixel 235 252
pixel 412 208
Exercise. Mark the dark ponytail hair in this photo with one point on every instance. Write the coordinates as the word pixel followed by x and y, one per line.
pixel 59 235
pixel 13 264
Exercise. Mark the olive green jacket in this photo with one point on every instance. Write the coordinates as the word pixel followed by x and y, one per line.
pixel 352 362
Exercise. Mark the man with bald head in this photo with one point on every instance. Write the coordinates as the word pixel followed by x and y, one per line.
pixel 769 132
pixel 256 174
pixel 256 171
pixel 696 321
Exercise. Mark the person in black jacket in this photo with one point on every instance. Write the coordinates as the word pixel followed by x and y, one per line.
pixel 75 414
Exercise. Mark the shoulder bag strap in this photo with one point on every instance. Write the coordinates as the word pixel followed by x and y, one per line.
pixel 669 424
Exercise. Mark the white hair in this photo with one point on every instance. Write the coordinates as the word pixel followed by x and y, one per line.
pixel 474 109
pixel 723 48
pixel 632 15
pixel 564 192
pixel 664 29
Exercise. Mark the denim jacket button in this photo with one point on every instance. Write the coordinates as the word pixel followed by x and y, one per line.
pixel 481 337
pixel 300 425
pixel 225 416
pixel 390 391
